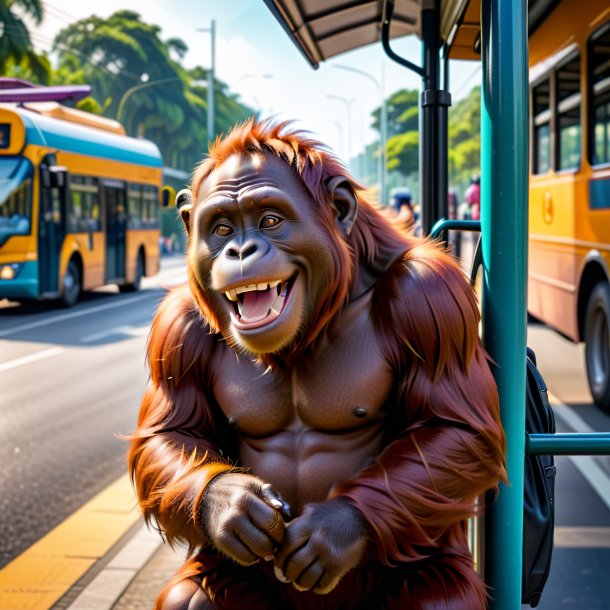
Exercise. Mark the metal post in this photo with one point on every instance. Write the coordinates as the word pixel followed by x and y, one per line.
pixel 348 107
pixel 433 123
pixel 383 195
pixel 504 192
pixel 211 109
pixel 211 113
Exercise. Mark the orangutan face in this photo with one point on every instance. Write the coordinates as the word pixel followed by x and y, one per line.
pixel 259 251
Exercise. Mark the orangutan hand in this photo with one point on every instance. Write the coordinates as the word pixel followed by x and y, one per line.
pixel 321 546
pixel 242 515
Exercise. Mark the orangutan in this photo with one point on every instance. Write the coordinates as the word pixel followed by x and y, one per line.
pixel 321 415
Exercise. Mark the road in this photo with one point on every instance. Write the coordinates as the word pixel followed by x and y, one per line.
pixel 581 558
pixel 71 382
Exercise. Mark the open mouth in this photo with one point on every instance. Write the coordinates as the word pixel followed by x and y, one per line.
pixel 256 305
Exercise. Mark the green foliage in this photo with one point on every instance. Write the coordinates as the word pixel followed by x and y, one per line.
pixel 465 139
pixel 17 56
pixel 464 136
pixel 136 74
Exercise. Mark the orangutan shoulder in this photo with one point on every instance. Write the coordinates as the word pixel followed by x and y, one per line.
pixel 178 325
pixel 432 282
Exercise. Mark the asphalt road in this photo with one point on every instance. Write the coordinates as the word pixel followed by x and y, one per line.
pixel 581 559
pixel 71 381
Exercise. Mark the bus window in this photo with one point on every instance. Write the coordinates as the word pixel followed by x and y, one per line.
pixel 568 114
pixel 599 94
pixel 83 209
pixel 150 207
pixel 15 198
pixel 134 206
pixel 542 127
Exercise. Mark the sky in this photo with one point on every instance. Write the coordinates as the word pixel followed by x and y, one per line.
pixel 258 61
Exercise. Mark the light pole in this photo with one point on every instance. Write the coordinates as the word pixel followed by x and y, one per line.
pixel 339 127
pixel 382 164
pixel 136 88
pixel 212 31
pixel 348 105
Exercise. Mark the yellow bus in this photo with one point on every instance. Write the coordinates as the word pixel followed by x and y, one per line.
pixel 79 202
pixel 569 217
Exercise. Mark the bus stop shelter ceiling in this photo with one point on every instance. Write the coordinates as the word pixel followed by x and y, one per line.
pixel 322 29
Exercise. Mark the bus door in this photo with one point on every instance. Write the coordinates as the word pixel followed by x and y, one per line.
pixel 113 196
pixel 51 227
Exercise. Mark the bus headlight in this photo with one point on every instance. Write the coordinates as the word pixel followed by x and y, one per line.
pixel 10 271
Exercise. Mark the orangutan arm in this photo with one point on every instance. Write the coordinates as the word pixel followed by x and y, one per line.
pixel 452 447
pixel 182 445
pixel 175 450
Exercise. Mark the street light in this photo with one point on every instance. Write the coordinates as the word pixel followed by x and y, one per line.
pixel 382 164
pixel 339 127
pixel 212 31
pixel 136 88
pixel 348 105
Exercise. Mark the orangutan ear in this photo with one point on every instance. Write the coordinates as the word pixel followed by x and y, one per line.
pixel 345 202
pixel 184 204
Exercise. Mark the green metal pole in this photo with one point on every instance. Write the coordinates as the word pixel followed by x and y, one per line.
pixel 504 191
pixel 578 443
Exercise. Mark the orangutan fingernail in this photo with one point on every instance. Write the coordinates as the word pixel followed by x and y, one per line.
pixel 277 504
pixel 268 557
pixel 280 575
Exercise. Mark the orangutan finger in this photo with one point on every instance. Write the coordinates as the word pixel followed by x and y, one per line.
pixel 273 498
pixel 326 584
pixel 267 519
pixel 298 562
pixel 257 541
pixel 310 576
pixel 295 537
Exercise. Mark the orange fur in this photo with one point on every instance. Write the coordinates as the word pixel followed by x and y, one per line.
pixel 445 443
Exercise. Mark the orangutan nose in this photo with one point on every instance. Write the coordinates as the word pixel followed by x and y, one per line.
pixel 243 251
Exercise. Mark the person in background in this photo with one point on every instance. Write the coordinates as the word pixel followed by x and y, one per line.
pixel 473 197
pixel 401 201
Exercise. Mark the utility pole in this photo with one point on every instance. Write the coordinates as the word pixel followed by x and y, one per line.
pixel 211 115
pixel 348 107
pixel 383 130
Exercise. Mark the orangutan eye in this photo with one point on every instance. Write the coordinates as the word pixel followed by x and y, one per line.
pixel 270 221
pixel 223 230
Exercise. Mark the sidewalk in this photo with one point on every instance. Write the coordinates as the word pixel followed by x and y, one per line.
pixel 128 577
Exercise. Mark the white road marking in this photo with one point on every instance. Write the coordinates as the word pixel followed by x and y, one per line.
pixel 46 353
pixel 588 467
pixel 582 537
pixel 74 314
pixel 131 331
pixel 106 588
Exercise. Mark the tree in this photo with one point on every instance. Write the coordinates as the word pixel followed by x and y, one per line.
pixel 403 131
pixel 131 68
pixel 17 55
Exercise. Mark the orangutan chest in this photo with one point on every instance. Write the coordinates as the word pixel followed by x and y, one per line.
pixel 345 386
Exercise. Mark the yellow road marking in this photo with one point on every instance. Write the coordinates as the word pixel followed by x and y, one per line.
pixel 43 573
pixel 582 537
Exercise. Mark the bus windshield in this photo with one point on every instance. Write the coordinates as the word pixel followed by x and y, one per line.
pixel 15 197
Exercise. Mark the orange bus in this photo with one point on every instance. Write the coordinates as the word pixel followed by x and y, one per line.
pixel 79 203
pixel 569 207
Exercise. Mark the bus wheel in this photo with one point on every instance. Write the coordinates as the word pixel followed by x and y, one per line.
pixel 71 285
pixel 137 281
pixel 597 348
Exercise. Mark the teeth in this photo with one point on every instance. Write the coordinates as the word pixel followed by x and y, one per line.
pixel 232 294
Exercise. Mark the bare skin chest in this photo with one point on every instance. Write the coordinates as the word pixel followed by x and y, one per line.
pixel 308 428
